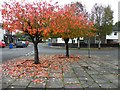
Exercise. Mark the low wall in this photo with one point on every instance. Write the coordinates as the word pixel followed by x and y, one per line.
pixel 84 45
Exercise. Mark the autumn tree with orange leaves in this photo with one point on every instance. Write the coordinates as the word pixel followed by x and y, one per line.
pixel 67 25
pixel 30 18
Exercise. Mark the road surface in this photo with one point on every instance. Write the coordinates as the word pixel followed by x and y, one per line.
pixel 8 54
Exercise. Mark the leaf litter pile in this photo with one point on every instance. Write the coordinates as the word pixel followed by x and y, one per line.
pixel 27 69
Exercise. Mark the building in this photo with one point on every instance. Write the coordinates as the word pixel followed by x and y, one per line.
pixel 114 37
pixel 6 35
pixel 2 32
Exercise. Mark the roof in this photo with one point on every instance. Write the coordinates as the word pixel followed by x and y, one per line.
pixel 115 28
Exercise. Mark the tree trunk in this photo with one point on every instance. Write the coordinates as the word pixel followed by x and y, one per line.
pixel 36 57
pixel 67 47
pixel 99 44
pixel 78 43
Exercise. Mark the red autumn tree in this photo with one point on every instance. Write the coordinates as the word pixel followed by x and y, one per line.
pixel 30 18
pixel 67 25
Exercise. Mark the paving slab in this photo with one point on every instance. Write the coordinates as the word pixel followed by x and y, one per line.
pixel 71 80
pixel 55 75
pixel 98 76
pixel 21 82
pixel 93 65
pixel 34 88
pixel 107 85
pixel 8 80
pixel 74 86
pixel 82 73
pixel 16 87
pixel 69 75
pixel 38 85
pixel 78 69
pixel 55 89
pixel 87 83
pixel 81 61
pixel 101 80
pixel 4 86
pixel 111 77
pixel 115 82
pixel 69 69
pixel 75 64
pixel 92 72
pixel 113 71
pixel 54 83
pixel 94 85
pixel 85 78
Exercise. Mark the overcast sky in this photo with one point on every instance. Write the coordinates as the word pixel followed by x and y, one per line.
pixel 88 5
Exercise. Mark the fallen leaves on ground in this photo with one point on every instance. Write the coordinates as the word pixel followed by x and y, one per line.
pixel 26 68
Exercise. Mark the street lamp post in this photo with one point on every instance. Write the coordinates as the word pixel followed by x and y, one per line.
pixel 89 47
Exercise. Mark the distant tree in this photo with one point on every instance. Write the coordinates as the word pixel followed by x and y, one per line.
pixel 21 36
pixel 107 22
pixel 103 19
pixel 18 35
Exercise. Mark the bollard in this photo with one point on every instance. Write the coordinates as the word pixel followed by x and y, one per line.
pixel 10 45
pixel 49 44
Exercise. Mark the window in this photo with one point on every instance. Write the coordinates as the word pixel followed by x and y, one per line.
pixel 115 33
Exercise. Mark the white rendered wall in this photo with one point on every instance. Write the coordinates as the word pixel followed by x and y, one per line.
pixel 60 40
pixel 2 32
pixel 112 36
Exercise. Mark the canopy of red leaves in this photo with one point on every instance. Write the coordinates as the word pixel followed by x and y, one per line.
pixel 32 18
pixel 42 19
pixel 68 24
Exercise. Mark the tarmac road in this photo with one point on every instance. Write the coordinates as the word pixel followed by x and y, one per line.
pixel 7 54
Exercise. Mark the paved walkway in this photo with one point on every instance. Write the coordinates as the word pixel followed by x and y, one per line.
pixel 95 72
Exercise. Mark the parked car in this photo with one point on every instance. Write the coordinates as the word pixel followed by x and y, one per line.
pixel 2 44
pixel 21 44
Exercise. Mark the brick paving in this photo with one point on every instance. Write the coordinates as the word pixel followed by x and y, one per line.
pixel 95 72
